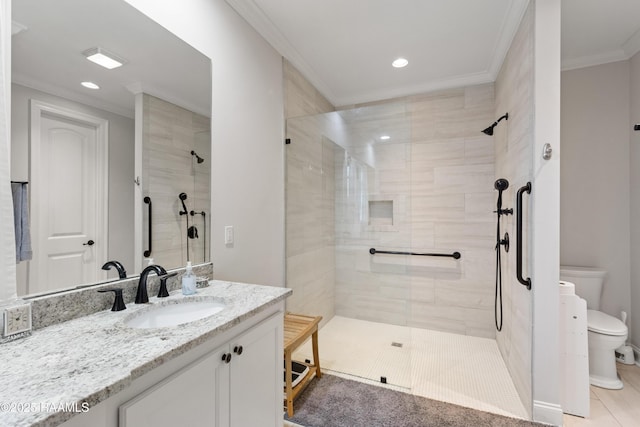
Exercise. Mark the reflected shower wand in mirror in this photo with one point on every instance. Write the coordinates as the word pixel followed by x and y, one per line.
pixel 183 197
pixel 204 224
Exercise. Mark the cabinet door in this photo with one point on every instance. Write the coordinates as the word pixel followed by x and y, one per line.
pixel 256 388
pixel 194 396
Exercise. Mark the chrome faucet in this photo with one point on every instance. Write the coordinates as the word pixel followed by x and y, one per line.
pixel 142 296
pixel 121 271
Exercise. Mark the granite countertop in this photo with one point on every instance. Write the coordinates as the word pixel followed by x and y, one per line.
pixel 94 357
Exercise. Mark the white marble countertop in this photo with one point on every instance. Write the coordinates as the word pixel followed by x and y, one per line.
pixel 92 358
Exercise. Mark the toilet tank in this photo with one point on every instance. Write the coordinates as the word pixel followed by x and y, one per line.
pixel 588 282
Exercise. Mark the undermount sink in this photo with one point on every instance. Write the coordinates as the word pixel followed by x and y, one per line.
pixel 174 314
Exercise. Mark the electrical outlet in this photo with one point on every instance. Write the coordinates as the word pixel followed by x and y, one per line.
pixel 16 320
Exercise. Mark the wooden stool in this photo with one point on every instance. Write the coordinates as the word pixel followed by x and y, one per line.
pixel 297 328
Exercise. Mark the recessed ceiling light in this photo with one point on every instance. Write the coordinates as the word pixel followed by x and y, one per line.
pixel 90 85
pixel 385 137
pixel 400 62
pixel 103 58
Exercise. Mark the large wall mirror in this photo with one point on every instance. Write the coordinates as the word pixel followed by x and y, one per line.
pixel 119 172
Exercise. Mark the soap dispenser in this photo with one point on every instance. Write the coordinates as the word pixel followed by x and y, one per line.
pixel 188 281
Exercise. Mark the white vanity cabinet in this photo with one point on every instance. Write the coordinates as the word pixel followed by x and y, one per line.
pixel 194 396
pixel 232 380
pixel 255 377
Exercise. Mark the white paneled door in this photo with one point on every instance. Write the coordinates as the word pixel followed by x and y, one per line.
pixel 68 185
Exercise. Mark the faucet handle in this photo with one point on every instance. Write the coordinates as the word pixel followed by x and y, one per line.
pixel 118 302
pixel 163 292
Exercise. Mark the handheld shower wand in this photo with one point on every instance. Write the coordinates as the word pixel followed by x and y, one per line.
pixel 183 197
pixel 501 185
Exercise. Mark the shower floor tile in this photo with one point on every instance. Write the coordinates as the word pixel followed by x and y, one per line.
pixel 464 370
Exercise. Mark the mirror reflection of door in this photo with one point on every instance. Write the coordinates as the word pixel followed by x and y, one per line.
pixel 68 185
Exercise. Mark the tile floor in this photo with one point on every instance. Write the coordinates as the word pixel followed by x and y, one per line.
pixel 464 370
pixel 613 408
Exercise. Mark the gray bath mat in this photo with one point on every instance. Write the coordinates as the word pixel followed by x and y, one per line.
pixel 333 401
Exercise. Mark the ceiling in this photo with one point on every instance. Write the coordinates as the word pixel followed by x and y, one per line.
pixel 345 48
pixel 50 36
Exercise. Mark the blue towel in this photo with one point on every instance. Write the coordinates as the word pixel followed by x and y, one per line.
pixel 21 221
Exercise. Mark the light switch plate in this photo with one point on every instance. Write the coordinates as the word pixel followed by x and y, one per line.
pixel 228 235
pixel 16 320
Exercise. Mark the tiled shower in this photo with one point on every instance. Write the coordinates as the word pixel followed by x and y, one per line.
pixel 170 133
pixel 427 188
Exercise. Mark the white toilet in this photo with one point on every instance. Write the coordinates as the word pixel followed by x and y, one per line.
pixel 605 333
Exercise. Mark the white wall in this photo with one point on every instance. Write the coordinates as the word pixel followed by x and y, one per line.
pixel 595 180
pixel 544 222
pixel 7 241
pixel 247 136
pixel 634 172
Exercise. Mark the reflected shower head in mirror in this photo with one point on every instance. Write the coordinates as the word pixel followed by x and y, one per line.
pixel 489 130
pixel 200 159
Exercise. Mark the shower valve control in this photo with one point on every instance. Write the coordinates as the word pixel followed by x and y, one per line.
pixel 505 242
pixel 508 211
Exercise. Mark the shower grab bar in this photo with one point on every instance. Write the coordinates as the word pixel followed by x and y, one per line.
pixel 147 253
pixel 524 189
pixel 374 251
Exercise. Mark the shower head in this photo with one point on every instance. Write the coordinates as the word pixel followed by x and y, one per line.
pixel 501 184
pixel 183 197
pixel 200 159
pixel 489 130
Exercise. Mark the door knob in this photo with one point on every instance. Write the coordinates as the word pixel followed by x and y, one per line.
pixel 89 243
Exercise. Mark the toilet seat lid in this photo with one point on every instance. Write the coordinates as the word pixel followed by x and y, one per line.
pixel 602 323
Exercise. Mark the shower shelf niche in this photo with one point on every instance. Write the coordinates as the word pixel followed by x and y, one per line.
pixel 380 212
pixel 384 212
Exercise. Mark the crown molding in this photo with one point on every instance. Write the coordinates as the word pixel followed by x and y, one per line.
pixel 509 28
pixel 592 60
pixel 256 18
pixel 263 25
pixel 139 87
pixel 632 46
pixel 91 101
pixel 432 86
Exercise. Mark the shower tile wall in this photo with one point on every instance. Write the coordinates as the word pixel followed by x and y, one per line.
pixel 514 160
pixel 169 134
pixel 438 170
pixel 310 226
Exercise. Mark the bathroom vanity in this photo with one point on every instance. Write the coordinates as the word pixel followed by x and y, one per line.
pixel 222 370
